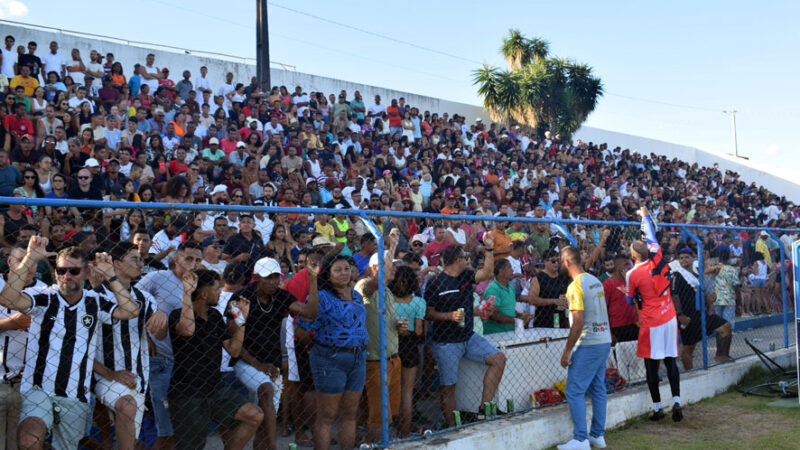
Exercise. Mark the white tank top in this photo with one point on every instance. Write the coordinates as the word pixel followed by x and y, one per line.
pixel 316 168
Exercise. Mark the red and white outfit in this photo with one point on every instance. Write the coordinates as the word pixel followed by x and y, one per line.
pixel 658 329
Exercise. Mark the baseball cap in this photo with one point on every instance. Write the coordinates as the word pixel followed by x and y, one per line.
pixel 763 233
pixel 240 144
pixel 420 238
pixel 117 191
pixel 218 188
pixel 310 180
pixel 266 266
pixel 213 141
pixel 164 70
pixel 320 241
pixel 91 162
pixel 180 222
pixel 27 136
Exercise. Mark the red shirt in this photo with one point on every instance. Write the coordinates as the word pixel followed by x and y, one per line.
pixel 620 313
pixel 396 120
pixel 298 286
pixel 657 308
pixel 434 249
pixel 175 167
pixel 17 126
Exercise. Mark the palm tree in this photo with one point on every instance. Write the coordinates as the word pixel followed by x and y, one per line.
pixel 537 90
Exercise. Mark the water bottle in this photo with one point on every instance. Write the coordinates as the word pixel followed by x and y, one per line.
pixel 556 320
pixel 462 322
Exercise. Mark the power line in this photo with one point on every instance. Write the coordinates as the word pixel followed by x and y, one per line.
pixel 658 102
pixel 372 33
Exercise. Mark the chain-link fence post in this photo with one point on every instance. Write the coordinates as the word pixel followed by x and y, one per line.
pixel 783 288
pixel 700 295
pixel 373 229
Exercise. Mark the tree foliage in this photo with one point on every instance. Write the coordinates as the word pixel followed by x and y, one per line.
pixel 538 90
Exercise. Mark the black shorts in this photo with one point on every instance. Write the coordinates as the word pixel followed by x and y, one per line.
pixel 304 369
pixel 626 333
pixel 409 351
pixel 691 334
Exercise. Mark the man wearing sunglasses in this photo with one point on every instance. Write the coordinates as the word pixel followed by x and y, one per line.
pixel 64 321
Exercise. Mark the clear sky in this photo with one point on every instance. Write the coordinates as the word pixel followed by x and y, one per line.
pixel 669 69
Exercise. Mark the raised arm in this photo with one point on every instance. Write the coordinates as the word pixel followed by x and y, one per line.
pixel 649 228
pixel 126 308
pixel 12 296
pixel 234 345
pixel 487 272
pixel 310 308
pixel 185 325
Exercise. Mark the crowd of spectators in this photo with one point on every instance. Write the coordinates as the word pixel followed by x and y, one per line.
pixel 102 129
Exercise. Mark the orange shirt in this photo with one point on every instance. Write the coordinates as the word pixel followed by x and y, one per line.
pixel 502 243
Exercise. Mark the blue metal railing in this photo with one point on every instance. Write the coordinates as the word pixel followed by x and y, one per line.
pixel 368 216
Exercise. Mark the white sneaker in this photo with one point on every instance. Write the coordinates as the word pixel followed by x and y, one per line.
pixel 597 442
pixel 575 445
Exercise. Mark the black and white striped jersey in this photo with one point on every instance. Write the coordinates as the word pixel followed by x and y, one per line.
pixel 12 343
pixel 63 341
pixel 123 343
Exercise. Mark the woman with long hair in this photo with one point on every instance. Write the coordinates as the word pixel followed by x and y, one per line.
pixel 44 169
pixel 133 221
pixel 30 186
pixel 338 358
pixel 146 193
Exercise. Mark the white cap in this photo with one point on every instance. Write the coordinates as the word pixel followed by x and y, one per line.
pixel 477 119
pixel 373 260
pixel 213 141
pixel 266 267
pixel 321 240
pixel 91 162
pixel 218 188
pixel 241 144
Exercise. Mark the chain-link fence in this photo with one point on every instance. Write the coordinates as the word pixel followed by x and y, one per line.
pixel 151 325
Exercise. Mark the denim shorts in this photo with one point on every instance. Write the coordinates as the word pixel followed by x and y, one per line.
pixel 728 312
pixel 449 354
pixel 759 282
pixel 335 371
pixel 160 373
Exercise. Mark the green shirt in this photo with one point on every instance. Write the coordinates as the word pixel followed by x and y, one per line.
pixel 505 300
pixel 373 322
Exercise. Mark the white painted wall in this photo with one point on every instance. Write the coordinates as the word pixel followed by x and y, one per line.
pixel 243 69
pixel 550 426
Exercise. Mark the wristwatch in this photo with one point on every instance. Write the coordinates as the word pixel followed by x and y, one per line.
pixel 112 279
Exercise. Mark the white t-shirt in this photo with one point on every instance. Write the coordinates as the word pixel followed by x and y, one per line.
pixel 162 242
pixel 223 90
pixel 201 83
pixel 53 63
pixel 376 111
pixel 273 130
pixel 152 83
pixel 9 59
pixel 74 103
pixel 97 67
pixel 301 99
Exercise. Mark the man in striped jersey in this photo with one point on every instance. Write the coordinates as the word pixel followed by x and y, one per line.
pixel 122 364
pixel 63 341
pixel 13 336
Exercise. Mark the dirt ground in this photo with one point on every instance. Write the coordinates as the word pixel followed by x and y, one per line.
pixel 728 421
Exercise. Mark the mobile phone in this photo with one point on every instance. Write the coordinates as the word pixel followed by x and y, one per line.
pixel 162 166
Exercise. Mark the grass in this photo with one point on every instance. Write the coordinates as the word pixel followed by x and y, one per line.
pixel 727 421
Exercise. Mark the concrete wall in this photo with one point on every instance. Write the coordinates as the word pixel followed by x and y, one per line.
pixel 243 69
pixel 550 426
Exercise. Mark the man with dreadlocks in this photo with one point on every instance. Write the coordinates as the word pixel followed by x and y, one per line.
pixel 648 285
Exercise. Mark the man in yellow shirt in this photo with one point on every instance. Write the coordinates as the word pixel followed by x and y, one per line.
pixel 590 336
pixel 25 80
pixel 761 247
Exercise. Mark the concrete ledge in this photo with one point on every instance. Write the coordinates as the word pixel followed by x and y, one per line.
pixel 550 426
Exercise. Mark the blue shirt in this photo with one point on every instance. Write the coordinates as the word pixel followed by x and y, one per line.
pixel 340 323
pixel 9 177
pixel 135 83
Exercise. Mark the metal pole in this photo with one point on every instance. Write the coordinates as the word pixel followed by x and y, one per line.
pixel 700 295
pixel 783 289
pixel 732 112
pixel 262 43
pixel 382 326
pixel 796 269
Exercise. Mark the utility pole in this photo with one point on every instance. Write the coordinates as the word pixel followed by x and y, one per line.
pixel 262 43
pixel 732 112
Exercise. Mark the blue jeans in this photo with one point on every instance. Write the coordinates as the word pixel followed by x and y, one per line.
pixel 160 373
pixel 335 372
pixel 587 376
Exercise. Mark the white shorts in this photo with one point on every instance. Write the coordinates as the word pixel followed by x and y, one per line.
pixel 294 372
pixel 108 392
pixel 254 378
pixel 659 342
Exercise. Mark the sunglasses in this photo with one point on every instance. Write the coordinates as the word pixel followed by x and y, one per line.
pixel 71 270
pixel 30 178
pixel 83 178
